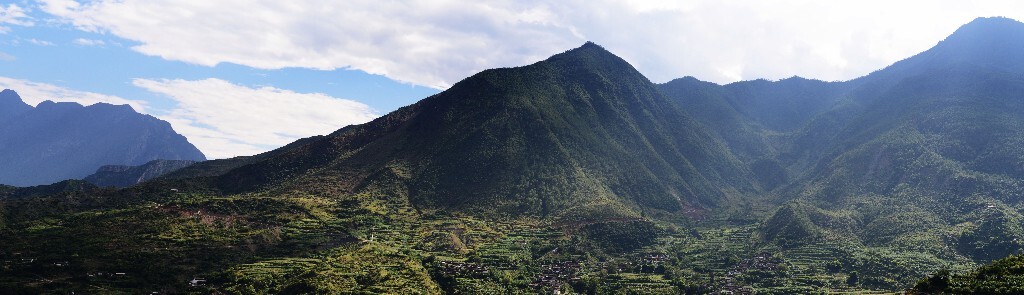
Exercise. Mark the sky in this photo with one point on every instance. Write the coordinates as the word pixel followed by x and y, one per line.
pixel 240 77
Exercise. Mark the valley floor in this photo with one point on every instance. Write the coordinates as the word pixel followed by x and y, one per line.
pixel 183 243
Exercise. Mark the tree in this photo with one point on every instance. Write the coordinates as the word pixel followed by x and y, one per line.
pixel 934 284
pixel 853 278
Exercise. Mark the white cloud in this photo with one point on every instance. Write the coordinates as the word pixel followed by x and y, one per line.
pixel 13 15
pixel 225 120
pixel 34 92
pixel 89 42
pixel 432 43
pixel 40 42
pixel 7 57
pixel 726 41
pixel 437 43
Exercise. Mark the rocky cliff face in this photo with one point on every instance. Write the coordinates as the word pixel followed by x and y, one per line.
pixel 125 175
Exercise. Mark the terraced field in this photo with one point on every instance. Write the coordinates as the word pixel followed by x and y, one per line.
pixel 367 244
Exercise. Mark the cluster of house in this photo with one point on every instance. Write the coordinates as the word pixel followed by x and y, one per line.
pixel 105 274
pixel 8 263
pixel 463 270
pixel 762 262
pixel 654 258
pixel 558 273
pixel 15 260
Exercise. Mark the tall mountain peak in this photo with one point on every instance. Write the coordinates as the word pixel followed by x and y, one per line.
pixel 591 47
pixel 588 46
pixel 11 105
pixel 987 34
pixel 590 54
pixel 8 94
pixel 991 25
pixel 989 42
pixel 601 135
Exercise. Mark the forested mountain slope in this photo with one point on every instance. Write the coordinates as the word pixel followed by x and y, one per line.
pixel 580 132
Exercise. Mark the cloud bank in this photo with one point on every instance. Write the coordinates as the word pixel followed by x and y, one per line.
pixel 226 120
pixel 437 43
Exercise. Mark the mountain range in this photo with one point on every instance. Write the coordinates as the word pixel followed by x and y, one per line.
pixel 55 141
pixel 578 174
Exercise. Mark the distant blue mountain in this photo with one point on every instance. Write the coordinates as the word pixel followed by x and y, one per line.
pixel 11 105
pixel 55 141
pixel 125 176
